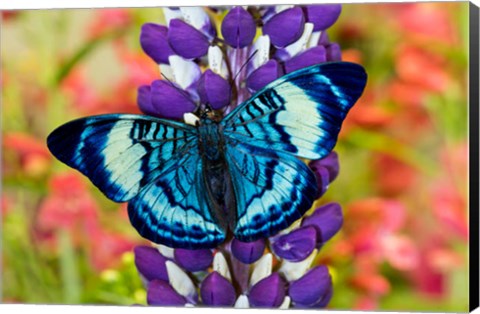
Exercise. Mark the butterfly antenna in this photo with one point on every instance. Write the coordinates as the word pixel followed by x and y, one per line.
pixel 243 65
pixel 184 93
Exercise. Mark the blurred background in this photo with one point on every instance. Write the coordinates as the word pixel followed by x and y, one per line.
pixel 403 157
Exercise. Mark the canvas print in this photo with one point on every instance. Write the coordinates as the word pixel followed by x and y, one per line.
pixel 289 156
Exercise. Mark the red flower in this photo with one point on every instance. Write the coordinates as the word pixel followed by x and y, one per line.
pixel 69 207
pixel 30 153
pixel 450 208
pixel 392 176
pixel 106 248
pixel 422 68
pixel 427 22
pixel 108 20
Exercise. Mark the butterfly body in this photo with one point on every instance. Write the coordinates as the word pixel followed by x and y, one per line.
pixel 189 186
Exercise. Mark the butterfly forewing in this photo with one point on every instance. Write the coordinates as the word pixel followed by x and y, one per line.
pixel 153 163
pixel 301 113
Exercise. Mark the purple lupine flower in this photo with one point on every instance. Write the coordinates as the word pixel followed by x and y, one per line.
pixel 193 260
pixel 285 27
pixel 202 69
pixel 238 28
pixel 216 290
pixel 311 289
pixel 248 252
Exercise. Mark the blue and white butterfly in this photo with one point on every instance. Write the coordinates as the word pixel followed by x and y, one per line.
pixel 194 186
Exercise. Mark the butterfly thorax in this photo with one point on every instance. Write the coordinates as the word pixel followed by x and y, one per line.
pixel 211 146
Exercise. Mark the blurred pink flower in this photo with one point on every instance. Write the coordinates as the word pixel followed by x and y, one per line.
pixel 138 66
pixel 392 176
pixel 400 251
pixel 108 20
pixel 68 207
pixel 427 22
pixel 83 96
pixel 106 248
pixel 406 94
pixel 450 208
pixel 422 68
pixel 370 283
pixel 30 153
pixel 6 204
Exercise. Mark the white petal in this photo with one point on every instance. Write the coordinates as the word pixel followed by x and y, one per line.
pixel 216 61
pixel 195 16
pixel 293 271
pixel 165 251
pixel 189 305
pixel 262 46
pixel 261 269
pixel 286 303
pixel 166 71
pixel 283 7
pixel 170 14
pixel 242 302
pixel 301 43
pixel 180 280
pixel 185 72
pixel 220 266
pixel 314 38
pixel 190 118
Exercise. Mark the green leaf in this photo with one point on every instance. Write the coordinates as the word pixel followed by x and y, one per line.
pixel 69 270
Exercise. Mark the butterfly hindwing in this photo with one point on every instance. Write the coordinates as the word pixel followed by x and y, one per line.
pixel 175 210
pixel 299 115
pixel 301 112
pixel 272 189
pixel 152 163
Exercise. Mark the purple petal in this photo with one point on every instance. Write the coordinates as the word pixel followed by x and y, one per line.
pixel 268 292
pixel 296 245
pixel 334 53
pixel 314 55
pixel 330 162
pixel 263 75
pixel 193 260
pixel 323 180
pixel 311 288
pixel 150 263
pixel 153 39
pixel 216 290
pixel 327 219
pixel 324 39
pixel 322 15
pixel 186 40
pixel 214 90
pixel 238 28
pixel 160 292
pixel 169 101
pixel 323 302
pixel 144 100
pixel 248 252
pixel 285 27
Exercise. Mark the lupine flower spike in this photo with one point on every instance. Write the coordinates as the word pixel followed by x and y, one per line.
pixel 223 70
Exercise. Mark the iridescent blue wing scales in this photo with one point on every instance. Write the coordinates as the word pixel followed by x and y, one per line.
pixel 302 112
pixel 175 210
pixel 272 189
pixel 129 158
pixel 299 115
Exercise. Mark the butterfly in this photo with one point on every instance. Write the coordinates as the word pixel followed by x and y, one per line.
pixel 193 186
